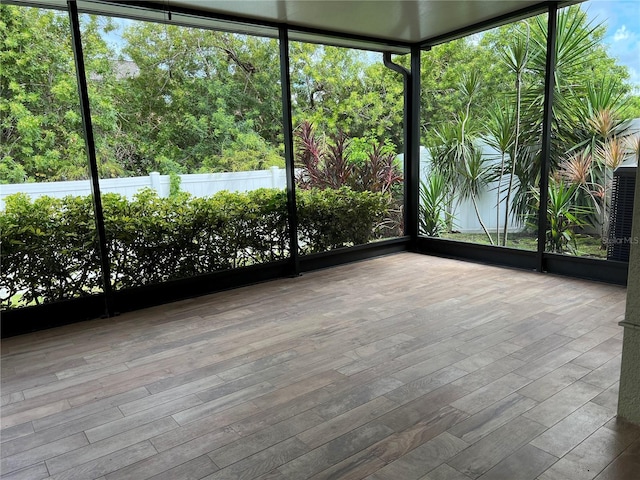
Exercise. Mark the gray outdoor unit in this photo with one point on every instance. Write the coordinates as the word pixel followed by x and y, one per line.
pixel 624 185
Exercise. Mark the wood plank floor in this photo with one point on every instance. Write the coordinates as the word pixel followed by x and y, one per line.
pixel 401 367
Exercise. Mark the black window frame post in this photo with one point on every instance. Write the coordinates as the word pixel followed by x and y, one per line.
pixel 547 120
pixel 91 154
pixel 287 127
pixel 412 173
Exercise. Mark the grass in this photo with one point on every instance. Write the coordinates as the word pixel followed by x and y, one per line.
pixel 588 245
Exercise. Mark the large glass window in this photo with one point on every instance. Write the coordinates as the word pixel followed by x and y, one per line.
pixel 47 229
pixel 595 131
pixel 189 141
pixel 347 118
pixel 481 106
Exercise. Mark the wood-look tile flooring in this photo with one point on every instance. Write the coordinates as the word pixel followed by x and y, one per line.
pixel 401 367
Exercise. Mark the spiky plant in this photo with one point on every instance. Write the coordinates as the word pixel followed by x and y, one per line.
pixel 564 217
pixel 632 146
pixel 433 205
pixel 609 155
pixel 576 169
pixel 515 56
pixel 500 130
pixel 475 176
pixel 612 153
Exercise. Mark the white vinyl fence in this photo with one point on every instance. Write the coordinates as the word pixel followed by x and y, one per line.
pixel 465 218
pixel 205 184
pixel 199 184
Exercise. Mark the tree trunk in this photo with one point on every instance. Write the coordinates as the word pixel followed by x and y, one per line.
pixel 514 158
pixel 498 200
pixel 484 228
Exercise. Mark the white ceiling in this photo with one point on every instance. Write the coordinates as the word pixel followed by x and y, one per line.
pixel 408 21
pixel 382 25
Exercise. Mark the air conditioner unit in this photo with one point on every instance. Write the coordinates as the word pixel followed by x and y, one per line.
pixel 622 195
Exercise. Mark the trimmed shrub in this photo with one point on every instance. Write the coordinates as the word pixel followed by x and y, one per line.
pixel 48 250
pixel 49 247
pixel 329 218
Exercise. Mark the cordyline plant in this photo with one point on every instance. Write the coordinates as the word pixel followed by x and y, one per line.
pixel 327 164
pixel 564 216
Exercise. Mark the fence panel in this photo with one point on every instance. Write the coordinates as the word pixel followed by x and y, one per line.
pixel 205 184
pixel 199 185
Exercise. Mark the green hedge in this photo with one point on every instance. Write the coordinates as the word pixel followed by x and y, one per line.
pixel 49 250
pixel 329 219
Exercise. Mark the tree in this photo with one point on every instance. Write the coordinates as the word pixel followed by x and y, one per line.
pixel 442 69
pixel 344 89
pixel 499 135
pixel 180 99
pixel 516 57
pixel 456 157
pixel 196 95
pixel 511 60
pixel 41 137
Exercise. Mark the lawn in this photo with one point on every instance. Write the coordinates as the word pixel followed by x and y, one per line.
pixel 588 245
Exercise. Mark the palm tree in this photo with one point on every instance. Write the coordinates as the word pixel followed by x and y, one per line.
pixel 576 40
pixel 499 135
pixel 452 145
pixel 475 176
pixel 446 151
pixel 515 56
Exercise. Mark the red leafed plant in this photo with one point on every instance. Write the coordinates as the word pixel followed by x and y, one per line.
pixel 379 173
pixel 323 164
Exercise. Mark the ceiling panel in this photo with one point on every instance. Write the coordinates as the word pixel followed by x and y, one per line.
pixel 381 25
pixel 408 21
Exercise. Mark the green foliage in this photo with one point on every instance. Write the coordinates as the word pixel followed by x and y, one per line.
pixel 433 205
pixel 49 250
pixel 11 172
pixel 49 247
pixel 39 107
pixel 442 69
pixel 170 99
pixel 210 101
pixel 174 184
pixel 201 97
pixel 339 89
pixel 333 163
pixel 474 174
pixel 455 156
pixel 153 239
pixel 334 218
pixel 248 151
pixel 592 101
pixel 564 217
pixel 197 100
pixel 359 149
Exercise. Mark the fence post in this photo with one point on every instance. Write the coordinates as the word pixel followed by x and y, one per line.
pixel 275 173
pixel 154 180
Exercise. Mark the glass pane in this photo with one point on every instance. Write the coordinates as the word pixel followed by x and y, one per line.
pixel 348 134
pixel 596 139
pixel 482 101
pixel 189 142
pixel 47 229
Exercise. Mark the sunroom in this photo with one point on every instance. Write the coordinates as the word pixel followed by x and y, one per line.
pixel 178 176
